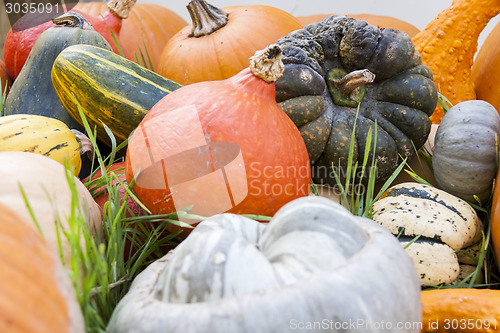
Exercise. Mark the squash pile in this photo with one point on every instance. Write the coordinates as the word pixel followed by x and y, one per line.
pixel 202 147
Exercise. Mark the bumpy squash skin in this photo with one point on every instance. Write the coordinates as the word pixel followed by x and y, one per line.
pixel 32 91
pixel 109 88
pixel 469 310
pixel 400 99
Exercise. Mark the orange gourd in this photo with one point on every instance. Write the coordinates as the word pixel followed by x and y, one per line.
pixel 219 42
pixel 380 21
pixel 448 45
pixel 147 28
pixel 460 310
pixel 36 294
pixel 222 146
pixel 486 69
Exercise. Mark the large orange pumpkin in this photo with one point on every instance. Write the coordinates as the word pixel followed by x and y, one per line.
pixel 147 28
pixel 372 19
pixel 486 69
pixel 36 294
pixel 219 42
pixel 221 146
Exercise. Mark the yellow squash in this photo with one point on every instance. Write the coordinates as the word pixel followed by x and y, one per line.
pixel 45 136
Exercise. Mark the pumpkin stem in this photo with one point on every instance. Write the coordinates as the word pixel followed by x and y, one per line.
pixel 266 64
pixel 206 18
pixel 353 80
pixel 85 143
pixel 72 20
pixel 121 8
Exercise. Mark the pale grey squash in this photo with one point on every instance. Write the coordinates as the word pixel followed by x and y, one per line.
pixel 464 158
pixel 313 264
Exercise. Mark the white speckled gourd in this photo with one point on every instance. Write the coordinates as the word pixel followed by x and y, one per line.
pixel 444 224
pixel 313 262
pixel 464 158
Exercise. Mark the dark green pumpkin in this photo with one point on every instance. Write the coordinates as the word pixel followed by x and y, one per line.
pixel 110 89
pixel 335 65
pixel 32 91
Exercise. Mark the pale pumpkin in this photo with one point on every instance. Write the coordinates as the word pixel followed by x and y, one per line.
pixel 448 44
pixel 219 42
pixel 45 185
pixel 465 152
pixel 313 262
pixel 35 292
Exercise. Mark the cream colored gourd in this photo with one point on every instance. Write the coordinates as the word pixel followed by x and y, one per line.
pixel 314 261
pixel 36 295
pixel 45 185
pixel 443 223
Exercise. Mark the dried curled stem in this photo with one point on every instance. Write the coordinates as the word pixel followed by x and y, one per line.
pixel 353 80
pixel 72 20
pixel 266 64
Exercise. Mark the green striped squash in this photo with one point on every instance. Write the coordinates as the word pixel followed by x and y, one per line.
pixel 110 89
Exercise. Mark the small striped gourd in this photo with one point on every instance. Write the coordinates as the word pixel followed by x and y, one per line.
pixel 45 136
pixel 110 89
pixel 433 225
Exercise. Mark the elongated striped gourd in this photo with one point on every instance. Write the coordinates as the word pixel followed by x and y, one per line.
pixel 110 89
pixel 444 224
pixel 42 135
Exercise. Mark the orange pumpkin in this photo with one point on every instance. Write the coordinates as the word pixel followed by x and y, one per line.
pixel 372 19
pixel 460 310
pixel 5 80
pixel 486 69
pixel 219 42
pixel 147 28
pixel 220 146
pixel 495 219
pixel 36 294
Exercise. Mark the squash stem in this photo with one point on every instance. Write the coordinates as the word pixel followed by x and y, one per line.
pixel 206 18
pixel 72 20
pixel 266 64
pixel 353 80
pixel 121 8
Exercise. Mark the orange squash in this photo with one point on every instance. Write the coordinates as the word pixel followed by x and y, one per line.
pixel 36 294
pixel 486 69
pixel 147 28
pixel 495 219
pixel 460 310
pixel 219 42
pixel 381 21
pixel 448 45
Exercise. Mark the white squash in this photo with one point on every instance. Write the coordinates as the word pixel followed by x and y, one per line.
pixel 45 184
pixel 445 225
pixel 314 262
